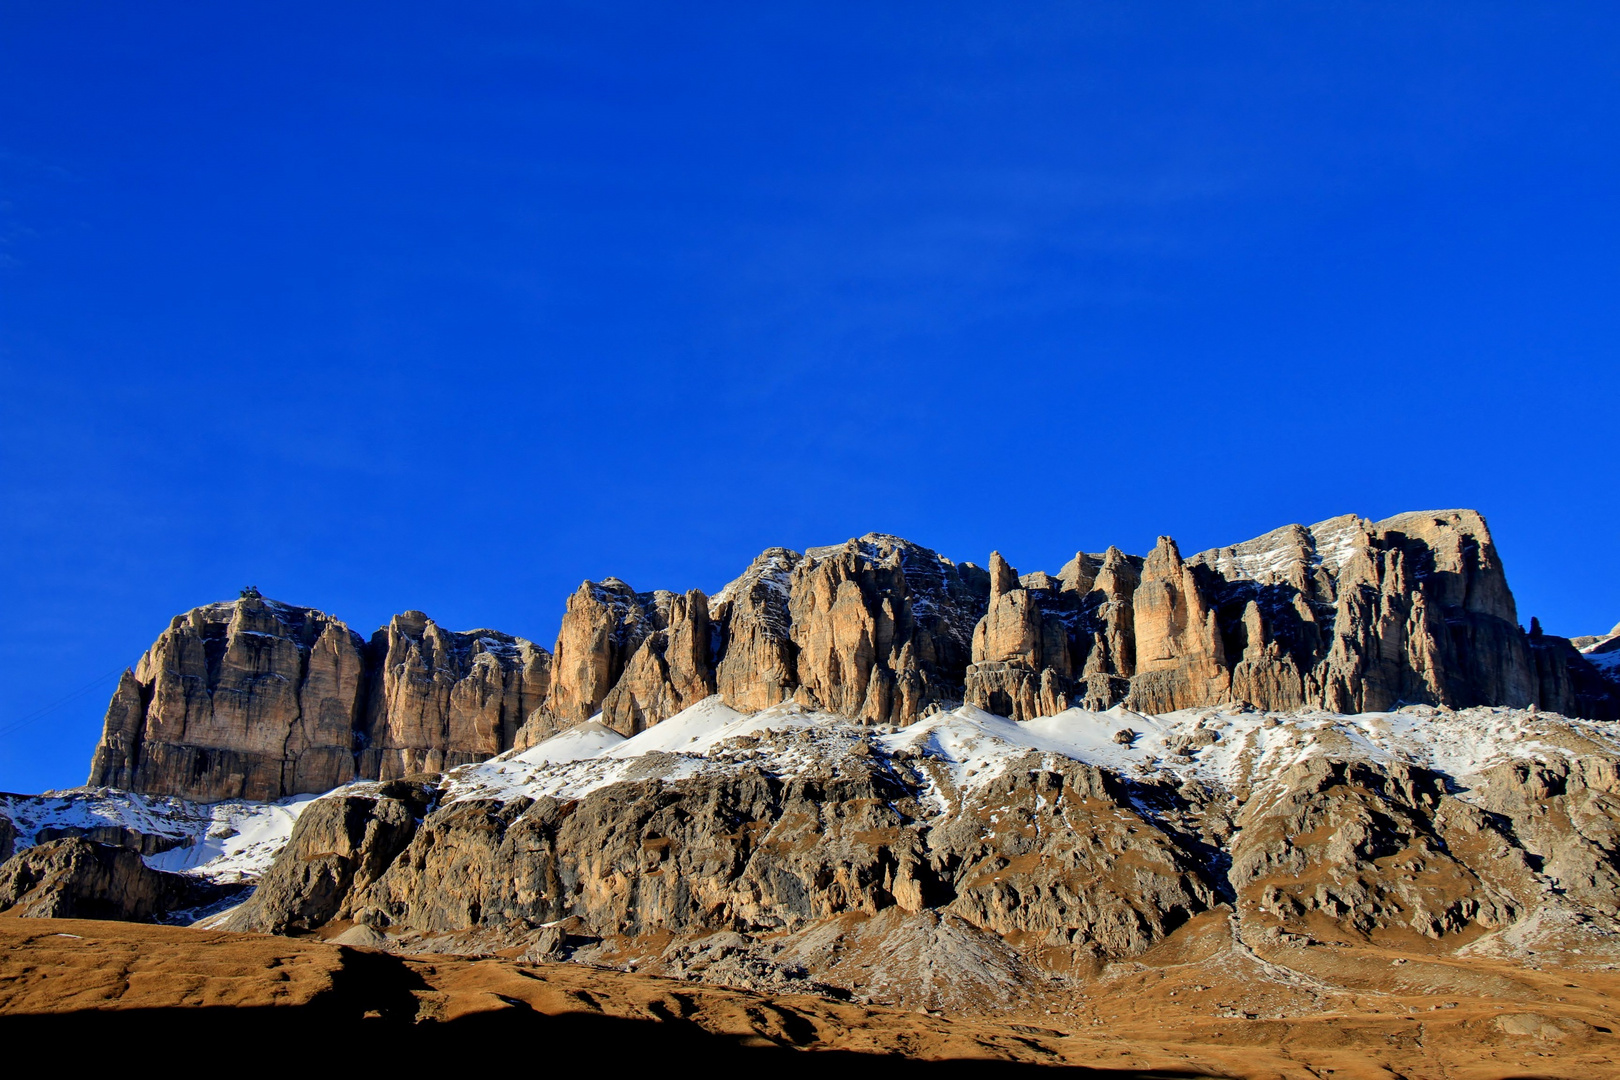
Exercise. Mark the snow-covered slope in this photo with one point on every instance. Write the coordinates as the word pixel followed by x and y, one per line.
pixel 225 842
pixel 1226 748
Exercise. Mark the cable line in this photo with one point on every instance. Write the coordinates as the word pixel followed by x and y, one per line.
pixel 23 721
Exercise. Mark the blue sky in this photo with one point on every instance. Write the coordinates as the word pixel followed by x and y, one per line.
pixel 450 307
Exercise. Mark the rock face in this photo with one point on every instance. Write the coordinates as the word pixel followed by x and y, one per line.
pixel 339 847
pixel 1368 848
pixel 1053 851
pixel 758 660
pixel 883 628
pixel 1180 657
pixel 440 698
pixel 260 700
pixel 251 699
pixel 603 626
pixel 670 670
pixel 1347 615
pixel 81 879
pixel 750 852
pixel 762 857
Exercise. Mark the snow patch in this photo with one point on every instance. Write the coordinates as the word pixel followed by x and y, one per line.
pixel 575 744
pixel 227 842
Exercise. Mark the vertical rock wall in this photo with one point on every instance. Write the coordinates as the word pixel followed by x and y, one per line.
pixel 440 698
pixel 758 660
pixel 669 670
pixel 251 699
pixel 883 627
pixel 260 700
pixel 603 626
pixel 1348 615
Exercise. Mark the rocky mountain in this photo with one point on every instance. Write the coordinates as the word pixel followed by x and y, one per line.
pixel 261 700
pixel 1285 769
pixel 769 850
pixel 437 698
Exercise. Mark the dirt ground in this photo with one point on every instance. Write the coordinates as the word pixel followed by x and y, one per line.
pixel 1194 1007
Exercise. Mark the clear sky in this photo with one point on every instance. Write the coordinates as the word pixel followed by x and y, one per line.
pixel 449 307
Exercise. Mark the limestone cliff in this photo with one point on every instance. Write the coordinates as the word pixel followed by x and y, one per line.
pixel 883 627
pixel 251 699
pixel 440 698
pixel 603 626
pixel 758 660
pixel 258 699
pixel 1348 615
pixel 670 670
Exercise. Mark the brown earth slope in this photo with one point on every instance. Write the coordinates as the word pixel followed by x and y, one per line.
pixel 1193 1007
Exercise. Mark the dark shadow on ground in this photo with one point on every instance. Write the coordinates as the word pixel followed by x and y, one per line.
pixel 314 1041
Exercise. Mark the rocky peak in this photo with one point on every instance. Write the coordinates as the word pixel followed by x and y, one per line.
pixel 883 627
pixel 1346 614
pixel 603 625
pixel 1080 573
pixel 751 620
pixel 441 698
pixel 246 699
pixel 1180 657
pixel 669 671
pixel 1595 644
pixel 1003 578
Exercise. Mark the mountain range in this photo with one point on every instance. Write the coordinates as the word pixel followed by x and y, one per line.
pixel 262 700
pixel 870 773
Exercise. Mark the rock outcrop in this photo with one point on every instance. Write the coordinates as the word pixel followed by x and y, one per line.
pixel 750 852
pixel 670 670
pixel 1047 643
pixel 1598 643
pixel 251 699
pixel 784 840
pixel 441 698
pixel 1359 847
pixel 1564 816
pixel 1180 655
pixel 1054 851
pixel 1347 615
pixel 340 846
pixel 75 878
pixel 883 627
pixel 603 626
pixel 758 662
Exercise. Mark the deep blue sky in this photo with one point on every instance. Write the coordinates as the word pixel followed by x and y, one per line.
pixel 450 307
